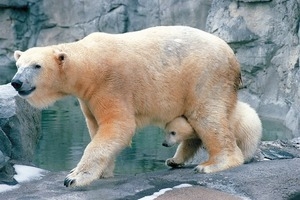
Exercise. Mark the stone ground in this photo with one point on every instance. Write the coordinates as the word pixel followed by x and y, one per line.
pixel 273 179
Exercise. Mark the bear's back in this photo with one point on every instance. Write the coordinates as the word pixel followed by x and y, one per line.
pixel 164 38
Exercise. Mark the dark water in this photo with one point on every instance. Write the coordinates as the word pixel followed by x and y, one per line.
pixel 65 136
pixel 273 130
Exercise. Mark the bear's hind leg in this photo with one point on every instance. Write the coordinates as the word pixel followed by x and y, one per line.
pixel 220 144
pixel 184 152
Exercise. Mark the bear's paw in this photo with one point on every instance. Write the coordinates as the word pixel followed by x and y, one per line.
pixel 171 163
pixel 78 178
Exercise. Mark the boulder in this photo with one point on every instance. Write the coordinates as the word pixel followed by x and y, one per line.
pixel 20 126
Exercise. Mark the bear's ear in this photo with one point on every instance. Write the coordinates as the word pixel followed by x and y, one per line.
pixel 60 56
pixel 17 54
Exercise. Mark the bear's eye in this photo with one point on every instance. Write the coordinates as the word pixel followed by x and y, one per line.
pixel 173 133
pixel 37 66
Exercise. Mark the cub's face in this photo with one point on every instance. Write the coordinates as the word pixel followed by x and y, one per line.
pixel 39 75
pixel 170 139
pixel 177 131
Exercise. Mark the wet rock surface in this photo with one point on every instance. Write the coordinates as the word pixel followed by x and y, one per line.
pixel 280 149
pixel 274 180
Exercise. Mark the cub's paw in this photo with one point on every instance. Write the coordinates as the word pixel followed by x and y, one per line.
pixel 77 178
pixel 171 163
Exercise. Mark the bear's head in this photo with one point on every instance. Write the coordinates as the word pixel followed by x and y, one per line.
pixel 40 76
pixel 177 131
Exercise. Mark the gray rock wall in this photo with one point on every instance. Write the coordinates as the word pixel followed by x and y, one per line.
pixel 265 37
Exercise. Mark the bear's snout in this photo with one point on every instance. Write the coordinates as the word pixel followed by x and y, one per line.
pixel 17 84
pixel 23 89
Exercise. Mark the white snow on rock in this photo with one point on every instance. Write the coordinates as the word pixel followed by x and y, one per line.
pixel 162 191
pixel 24 174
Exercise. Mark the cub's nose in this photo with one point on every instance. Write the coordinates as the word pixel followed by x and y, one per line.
pixel 17 84
pixel 165 144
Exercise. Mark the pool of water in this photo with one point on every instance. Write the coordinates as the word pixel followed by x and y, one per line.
pixel 274 129
pixel 65 136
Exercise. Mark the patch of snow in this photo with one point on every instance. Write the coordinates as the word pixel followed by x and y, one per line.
pixel 24 174
pixel 162 191
pixel 5 188
pixel 184 185
pixel 27 173
pixel 266 159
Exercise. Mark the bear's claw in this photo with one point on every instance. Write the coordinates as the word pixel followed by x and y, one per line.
pixel 72 170
pixel 69 182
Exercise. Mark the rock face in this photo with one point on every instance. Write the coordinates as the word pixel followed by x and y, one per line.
pixel 19 132
pixel 265 37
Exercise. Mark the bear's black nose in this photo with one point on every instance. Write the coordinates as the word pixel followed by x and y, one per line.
pixel 17 84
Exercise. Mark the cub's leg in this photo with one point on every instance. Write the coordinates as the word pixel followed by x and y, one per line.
pixel 219 142
pixel 115 132
pixel 184 152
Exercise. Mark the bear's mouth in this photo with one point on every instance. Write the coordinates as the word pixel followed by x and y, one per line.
pixel 26 92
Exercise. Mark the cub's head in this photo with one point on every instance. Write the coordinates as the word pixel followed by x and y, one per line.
pixel 40 75
pixel 177 131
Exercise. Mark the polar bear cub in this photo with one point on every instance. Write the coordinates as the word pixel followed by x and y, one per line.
pixel 244 123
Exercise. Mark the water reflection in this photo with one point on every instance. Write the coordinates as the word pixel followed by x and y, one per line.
pixel 273 130
pixel 65 136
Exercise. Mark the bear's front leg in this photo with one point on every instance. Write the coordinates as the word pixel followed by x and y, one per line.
pixel 90 119
pixel 98 158
pixel 184 152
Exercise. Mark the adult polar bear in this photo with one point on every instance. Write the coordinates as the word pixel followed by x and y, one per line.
pixel 125 81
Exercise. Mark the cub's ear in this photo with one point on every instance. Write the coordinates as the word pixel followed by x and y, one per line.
pixel 17 54
pixel 60 56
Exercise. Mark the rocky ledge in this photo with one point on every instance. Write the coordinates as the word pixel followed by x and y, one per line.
pixel 20 126
pixel 275 178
